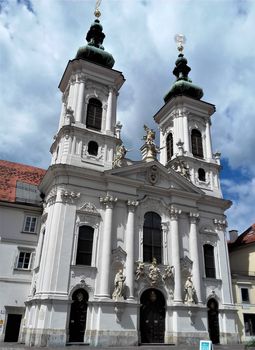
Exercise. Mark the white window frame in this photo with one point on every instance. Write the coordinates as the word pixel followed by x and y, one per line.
pixel 31 217
pixel 31 258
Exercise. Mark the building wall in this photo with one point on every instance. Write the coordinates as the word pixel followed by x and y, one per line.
pixel 15 282
pixel 242 262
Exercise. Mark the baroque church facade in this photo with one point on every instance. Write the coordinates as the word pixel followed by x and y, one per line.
pixel 130 252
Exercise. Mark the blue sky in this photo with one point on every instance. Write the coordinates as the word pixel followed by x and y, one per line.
pixel 37 38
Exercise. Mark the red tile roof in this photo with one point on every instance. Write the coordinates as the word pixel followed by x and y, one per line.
pixel 11 172
pixel 247 237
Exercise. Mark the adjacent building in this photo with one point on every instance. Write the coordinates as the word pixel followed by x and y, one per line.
pixel 20 218
pixel 129 252
pixel 242 264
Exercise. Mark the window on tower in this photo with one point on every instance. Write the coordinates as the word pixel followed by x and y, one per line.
pixel 85 245
pixel 196 142
pixel 201 174
pixel 92 148
pixel 169 146
pixel 94 114
pixel 209 261
pixel 152 237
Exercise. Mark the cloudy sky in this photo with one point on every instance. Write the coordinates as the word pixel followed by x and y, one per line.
pixel 38 37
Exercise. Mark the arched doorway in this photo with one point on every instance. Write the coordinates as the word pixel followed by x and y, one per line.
pixel 152 316
pixel 78 315
pixel 213 321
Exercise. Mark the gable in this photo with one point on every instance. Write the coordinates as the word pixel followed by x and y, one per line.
pixel 154 174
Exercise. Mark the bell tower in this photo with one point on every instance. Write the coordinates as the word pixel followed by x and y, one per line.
pixel 185 137
pixel 87 135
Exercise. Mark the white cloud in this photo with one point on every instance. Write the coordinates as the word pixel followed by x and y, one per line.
pixel 36 46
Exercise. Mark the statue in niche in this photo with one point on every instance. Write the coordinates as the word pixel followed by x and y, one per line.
pixel 139 270
pixel 119 286
pixel 121 152
pixel 189 291
pixel 154 272
pixel 168 273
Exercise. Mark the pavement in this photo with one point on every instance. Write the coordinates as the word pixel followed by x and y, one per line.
pixel 16 346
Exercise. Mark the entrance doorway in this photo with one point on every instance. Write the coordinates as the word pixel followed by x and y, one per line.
pixel 213 321
pixel 78 315
pixel 152 317
pixel 12 328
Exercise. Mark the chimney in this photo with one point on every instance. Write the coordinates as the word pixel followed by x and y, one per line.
pixel 233 234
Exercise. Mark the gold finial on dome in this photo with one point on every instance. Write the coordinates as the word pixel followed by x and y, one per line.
pixel 97 13
pixel 180 40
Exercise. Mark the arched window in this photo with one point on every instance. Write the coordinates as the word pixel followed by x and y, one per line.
pixel 94 114
pixel 169 146
pixel 196 142
pixel 152 237
pixel 201 174
pixel 92 148
pixel 209 261
pixel 85 245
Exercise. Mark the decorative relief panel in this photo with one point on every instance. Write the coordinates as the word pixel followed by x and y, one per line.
pixel 154 275
pixel 83 277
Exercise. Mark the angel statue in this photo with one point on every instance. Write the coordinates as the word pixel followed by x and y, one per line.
pixel 150 135
pixel 121 152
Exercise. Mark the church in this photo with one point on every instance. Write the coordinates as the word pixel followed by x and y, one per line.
pixel 130 252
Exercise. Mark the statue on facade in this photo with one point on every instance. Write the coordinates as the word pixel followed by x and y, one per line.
pixel 168 273
pixel 121 152
pixel 139 270
pixel 154 272
pixel 182 168
pixel 150 149
pixel 119 286
pixel 150 135
pixel 189 291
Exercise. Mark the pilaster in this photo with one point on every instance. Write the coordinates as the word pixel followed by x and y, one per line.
pixel 131 205
pixel 174 217
pixel 194 254
pixel 108 204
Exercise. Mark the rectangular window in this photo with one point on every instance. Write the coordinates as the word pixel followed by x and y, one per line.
pixel 30 224
pixel 245 295
pixel 24 260
pixel 249 324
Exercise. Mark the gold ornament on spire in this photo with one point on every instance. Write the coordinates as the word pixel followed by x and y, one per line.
pixel 97 13
pixel 180 40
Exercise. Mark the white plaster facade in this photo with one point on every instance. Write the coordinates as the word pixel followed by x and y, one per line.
pixel 84 189
pixel 15 279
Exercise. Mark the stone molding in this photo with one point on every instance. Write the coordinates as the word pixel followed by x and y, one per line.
pixel 194 217
pixel 69 196
pixel 174 213
pixel 108 201
pixel 220 224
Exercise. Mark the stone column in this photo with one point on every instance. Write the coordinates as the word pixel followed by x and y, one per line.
pixel 109 111
pixel 194 254
pixel 108 202
pixel 130 247
pixel 208 140
pixel 80 100
pixel 174 214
